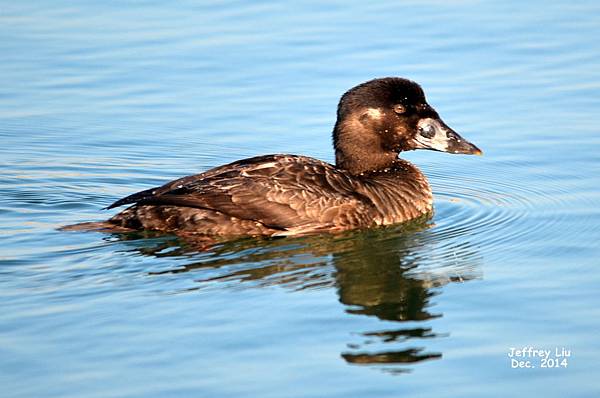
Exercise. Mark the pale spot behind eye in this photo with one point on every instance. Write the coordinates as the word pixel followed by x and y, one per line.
pixel 374 113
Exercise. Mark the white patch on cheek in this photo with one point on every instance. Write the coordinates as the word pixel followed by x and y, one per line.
pixel 374 113
pixel 435 137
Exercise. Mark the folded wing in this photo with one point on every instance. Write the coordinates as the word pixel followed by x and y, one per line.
pixel 283 192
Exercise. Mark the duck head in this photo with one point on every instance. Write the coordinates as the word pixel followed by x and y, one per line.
pixel 379 119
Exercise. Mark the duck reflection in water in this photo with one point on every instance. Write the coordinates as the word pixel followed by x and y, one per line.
pixel 390 273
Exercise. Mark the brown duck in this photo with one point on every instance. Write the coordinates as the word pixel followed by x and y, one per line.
pixel 278 195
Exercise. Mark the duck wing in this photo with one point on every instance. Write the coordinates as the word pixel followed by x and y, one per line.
pixel 285 192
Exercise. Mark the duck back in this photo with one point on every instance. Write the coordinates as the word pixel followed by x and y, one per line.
pixel 278 195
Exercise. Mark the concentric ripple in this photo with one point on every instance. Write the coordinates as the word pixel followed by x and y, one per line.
pixel 493 203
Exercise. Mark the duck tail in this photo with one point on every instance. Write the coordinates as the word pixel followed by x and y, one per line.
pixel 100 226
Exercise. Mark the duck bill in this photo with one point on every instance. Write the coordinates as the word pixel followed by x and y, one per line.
pixel 434 134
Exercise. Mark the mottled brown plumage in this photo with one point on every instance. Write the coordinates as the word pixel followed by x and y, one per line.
pixel 278 195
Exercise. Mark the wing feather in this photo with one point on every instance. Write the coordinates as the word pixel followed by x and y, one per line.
pixel 279 191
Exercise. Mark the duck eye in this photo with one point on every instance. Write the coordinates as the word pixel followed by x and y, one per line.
pixel 399 109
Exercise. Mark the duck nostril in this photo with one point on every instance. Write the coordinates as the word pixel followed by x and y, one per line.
pixel 427 131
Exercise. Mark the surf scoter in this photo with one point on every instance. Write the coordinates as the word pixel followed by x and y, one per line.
pixel 278 195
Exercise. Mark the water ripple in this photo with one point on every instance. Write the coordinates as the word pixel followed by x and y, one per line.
pixel 501 209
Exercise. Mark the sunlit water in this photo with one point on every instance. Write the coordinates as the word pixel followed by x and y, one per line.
pixel 101 99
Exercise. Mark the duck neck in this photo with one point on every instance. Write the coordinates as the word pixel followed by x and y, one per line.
pixel 359 150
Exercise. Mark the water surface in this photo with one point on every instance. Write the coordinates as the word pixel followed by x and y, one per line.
pixel 100 100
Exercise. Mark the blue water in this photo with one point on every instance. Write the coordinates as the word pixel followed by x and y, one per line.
pixel 102 99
